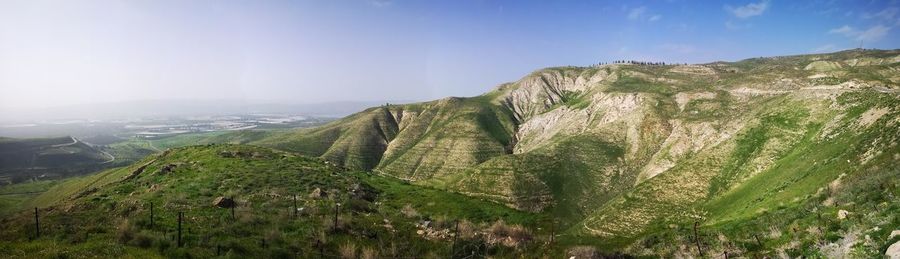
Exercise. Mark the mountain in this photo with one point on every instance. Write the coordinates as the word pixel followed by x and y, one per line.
pixel 624 150
pixel 22 159
pixel 792 156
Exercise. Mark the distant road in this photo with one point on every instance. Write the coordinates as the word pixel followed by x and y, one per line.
pixel 111 157
pixel 74 141
pixel 884 89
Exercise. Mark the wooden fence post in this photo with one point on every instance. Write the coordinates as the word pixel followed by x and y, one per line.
pixel 37 224
pixel 455 237
pixel 180 216
pixel 151 215
pixel 334 227
pixel 697 238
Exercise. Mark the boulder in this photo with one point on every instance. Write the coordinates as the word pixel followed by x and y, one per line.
pixel 223 202
pixel 893 251
pixel 316 193
pixel 842 214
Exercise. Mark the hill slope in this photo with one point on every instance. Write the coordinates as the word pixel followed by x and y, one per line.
pixel 620 150
pixel 784 156
pixel 22 159
pixel 284 205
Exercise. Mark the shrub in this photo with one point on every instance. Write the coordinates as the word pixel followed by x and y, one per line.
pixel 409 211
pixel 348 251
pixel 142 239
pixel 125 231
pixel 507 235
pixel 369 253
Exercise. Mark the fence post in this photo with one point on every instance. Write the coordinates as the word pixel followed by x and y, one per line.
pixel 334 227
pixel 37 224
pixel 455 237
pixel 295 206
pixel 151 215
pixel 697 238
pixel 321 248
pixel 180 216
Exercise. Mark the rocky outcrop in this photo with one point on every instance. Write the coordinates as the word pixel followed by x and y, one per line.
pixel 542 90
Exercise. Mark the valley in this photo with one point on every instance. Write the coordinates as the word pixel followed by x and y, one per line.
pixel 789 156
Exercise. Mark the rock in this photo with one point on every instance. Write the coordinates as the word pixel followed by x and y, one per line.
pixel 842 214
pixel 317 193
pixel 581 252
pixel 894 233
pixel 223 202
pixel 168 168
pixel 363 192
pixel 893 251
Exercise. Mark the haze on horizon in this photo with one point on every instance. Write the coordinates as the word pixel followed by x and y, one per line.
pixel 58 53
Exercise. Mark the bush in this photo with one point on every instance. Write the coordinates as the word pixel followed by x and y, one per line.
pixel 507 235
pixel 369 253
pixel 409 211
pixel 143 239
pixel 125 231
pixel 348 251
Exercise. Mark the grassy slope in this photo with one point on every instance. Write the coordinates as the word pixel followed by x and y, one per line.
pixel 456 144
pixel 771 173
pixel 112 207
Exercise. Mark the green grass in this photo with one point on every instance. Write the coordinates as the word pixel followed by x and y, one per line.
pixel 14 197
pixel 634 84
pixel 113 208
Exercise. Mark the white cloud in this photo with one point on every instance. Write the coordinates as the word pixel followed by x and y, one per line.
pixel 733 26
pixel 679 48
pixel 380 3
pixel 874 33
pixel 887 14
pixel 749 10
pixel 824 48
pixel 636 13
pixel 641 14
pixel 845 30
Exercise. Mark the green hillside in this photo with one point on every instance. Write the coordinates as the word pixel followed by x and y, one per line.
pixel 619 151
pixel 792 156
pixel 23 159
pixel 108 214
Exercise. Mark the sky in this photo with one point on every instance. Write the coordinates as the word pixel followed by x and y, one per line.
pixel 58 53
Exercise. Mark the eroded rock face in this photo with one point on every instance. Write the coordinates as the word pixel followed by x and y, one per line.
pixel 540 91
pixel 686 138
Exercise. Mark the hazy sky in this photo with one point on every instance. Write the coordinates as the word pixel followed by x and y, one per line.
pixel 72 52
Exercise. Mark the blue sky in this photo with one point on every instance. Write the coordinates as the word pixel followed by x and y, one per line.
pixel 70 52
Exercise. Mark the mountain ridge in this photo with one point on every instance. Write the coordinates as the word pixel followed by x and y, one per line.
pixel 655 114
